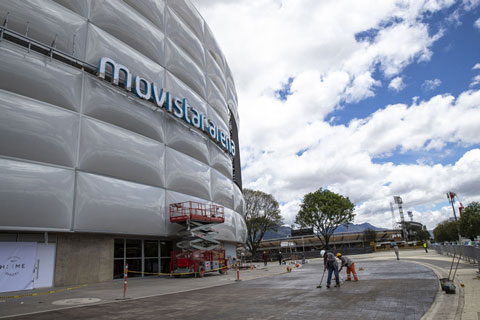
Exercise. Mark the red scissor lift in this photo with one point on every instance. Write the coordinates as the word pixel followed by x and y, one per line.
pixel 199 248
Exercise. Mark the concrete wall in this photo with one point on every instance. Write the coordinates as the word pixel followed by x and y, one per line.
pixel 83 258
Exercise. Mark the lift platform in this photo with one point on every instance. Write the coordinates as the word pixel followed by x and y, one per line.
pixel 198 220
pixel 200 251
pixel 196 211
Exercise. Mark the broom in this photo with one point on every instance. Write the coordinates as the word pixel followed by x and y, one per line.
pixel 320 285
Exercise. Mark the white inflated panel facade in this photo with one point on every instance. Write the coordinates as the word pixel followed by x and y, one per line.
pixel 78 153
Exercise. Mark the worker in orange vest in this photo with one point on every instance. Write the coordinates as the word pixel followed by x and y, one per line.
pixel 347 262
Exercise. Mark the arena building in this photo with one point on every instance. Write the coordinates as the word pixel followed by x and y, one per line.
pixel 110 111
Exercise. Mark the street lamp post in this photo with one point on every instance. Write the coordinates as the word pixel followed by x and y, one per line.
pixel 451 198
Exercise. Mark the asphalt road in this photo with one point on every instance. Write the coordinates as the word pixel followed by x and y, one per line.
pixel 386 290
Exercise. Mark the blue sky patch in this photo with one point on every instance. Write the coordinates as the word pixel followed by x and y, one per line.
pixel 284 92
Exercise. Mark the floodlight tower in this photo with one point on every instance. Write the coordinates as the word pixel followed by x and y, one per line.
pixel 399 202
pixel 410 214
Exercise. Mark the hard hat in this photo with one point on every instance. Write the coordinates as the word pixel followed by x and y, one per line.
pixel 339 254
pixel 322 253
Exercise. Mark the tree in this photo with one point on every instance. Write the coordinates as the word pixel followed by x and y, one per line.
pixel 369 235
pixel 262 214
pixel 469 222
pixel 425 235
pixel 446 231
pixel 417 232
pixel 324 211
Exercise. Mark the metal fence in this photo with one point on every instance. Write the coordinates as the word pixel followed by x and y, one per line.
pixel 468 253
pixel 311 254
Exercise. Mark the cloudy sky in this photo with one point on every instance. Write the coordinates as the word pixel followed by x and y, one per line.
pixel 369 99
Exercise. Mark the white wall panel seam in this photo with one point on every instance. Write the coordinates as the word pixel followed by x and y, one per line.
pixel 45 164
pixel 120 128
pixel 145 20
pixel 192 29
pixel 193 63
pixel 79 138
pixel 166 206
pixel 189 32
pixel 75 13
pixel 40 60
pixel 39 101
pixel 143 56
pixel 148 18
pixel 117 178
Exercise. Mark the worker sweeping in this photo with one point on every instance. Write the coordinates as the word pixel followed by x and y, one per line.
pixel 347 262
pixel 330 263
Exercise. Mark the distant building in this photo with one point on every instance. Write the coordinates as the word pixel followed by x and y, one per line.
pixel 302 232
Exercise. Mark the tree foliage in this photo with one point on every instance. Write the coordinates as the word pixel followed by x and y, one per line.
pixel 369 235
pixel 324 211
pixel 469 222
pixel 262 214
pixel 446 231
pixel 417 233
pixel 425 235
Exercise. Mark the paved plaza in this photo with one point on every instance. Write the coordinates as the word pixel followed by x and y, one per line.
pixel 388 289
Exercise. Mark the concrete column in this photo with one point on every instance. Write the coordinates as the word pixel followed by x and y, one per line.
pixel 83 258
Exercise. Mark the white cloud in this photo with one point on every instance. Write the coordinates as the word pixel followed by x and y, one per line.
pixel 475 81
pixel 431 85
pixel 396 84
pixel 318 43
pixel 477 23
pixel 476 66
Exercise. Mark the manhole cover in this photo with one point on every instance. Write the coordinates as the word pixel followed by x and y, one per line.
pixel 72 302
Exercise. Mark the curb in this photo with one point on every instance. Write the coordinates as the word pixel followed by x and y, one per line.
pixel 435 312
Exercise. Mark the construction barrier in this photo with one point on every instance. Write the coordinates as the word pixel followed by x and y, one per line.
pixel 237 265
pixel 238 271
pixel 468 253
pixel 125 277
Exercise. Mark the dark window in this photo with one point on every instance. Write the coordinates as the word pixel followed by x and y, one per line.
pixel 151 265
pixel 134 248
pixel 118 269
pixel 134 265
pixel 151 249
pixel 119 250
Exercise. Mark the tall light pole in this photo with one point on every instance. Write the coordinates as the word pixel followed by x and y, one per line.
pixel 398 200
pixel 451 198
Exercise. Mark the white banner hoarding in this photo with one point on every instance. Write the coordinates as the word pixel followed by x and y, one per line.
pixel 17 263
pixel 287 244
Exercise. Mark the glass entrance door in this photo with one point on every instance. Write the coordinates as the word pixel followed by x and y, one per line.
pixel 144 257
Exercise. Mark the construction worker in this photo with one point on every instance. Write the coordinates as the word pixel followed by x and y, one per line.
pixel 347 262
pixel 264 258
pixel 395 247
pixel 330 263
pixel 425 246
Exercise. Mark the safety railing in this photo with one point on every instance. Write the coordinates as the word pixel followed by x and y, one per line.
pixel 468 253
pixel 48 50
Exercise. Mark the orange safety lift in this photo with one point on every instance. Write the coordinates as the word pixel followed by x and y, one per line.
pixel 199 247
